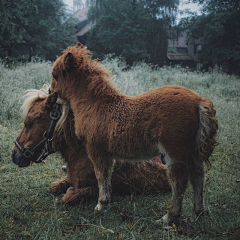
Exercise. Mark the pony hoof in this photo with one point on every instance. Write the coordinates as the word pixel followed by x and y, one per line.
pixel 163 220
pixel 166 220
pixel 196 215
pixel 56 188
pixel 70 189
pixel 99 207
pixel 102 206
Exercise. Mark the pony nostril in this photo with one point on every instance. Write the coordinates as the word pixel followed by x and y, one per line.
pixel 13 154
pixel 15 157
pixel 64 168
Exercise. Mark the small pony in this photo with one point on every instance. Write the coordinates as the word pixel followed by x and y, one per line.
pixel 171 120
pixel 40 107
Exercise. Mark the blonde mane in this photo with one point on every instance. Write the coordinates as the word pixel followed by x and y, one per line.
pixel 33 95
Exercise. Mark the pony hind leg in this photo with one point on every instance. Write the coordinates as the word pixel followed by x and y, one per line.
pixel 178 176
pixel 197 180
pixel 177 172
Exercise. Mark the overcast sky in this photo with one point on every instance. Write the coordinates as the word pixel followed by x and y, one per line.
pixel 192 6
pixel 69 2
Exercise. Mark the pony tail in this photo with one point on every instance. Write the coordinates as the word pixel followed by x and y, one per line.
pixel 206 135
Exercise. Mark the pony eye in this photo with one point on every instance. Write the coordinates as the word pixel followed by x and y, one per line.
pixel 55 76
pixel 28 124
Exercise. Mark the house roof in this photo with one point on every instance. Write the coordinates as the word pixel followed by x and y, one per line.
pixel 85 29
pixel 81 15
pixel 179 57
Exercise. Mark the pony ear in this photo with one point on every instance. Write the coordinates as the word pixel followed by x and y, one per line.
pixel 52 99
pixel 78 44
pixel 69 60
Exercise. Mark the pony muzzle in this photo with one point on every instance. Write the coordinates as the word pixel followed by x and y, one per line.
pixel 19 159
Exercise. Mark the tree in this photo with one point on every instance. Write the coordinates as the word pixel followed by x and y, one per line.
pixel 132 29
pixel 39 25
pixel 166 9
pixel 11 31
pixel 219 28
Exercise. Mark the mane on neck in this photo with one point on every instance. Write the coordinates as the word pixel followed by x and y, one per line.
pixel 33 95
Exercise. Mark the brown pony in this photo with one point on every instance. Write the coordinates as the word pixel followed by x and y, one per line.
pixel 171 120
pixel 127 177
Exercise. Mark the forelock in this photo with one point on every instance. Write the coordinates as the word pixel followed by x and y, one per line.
pixel 33 95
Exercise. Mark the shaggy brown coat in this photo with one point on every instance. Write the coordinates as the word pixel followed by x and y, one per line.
pixel 170 120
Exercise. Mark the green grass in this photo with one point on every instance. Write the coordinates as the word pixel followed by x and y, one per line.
pixel 29 211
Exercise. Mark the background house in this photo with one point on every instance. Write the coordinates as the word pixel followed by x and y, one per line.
pixel 82 25
pixel 182 51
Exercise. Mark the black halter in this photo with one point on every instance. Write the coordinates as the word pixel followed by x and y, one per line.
pixel 45 142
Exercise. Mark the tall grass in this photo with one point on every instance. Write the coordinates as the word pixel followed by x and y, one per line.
pixel 29 211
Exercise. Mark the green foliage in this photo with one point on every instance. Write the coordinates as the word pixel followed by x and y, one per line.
pixel 38 26
pixel 219 28
pixel 30 75
pixel 134 30
pixel 165 9
pixel 29 211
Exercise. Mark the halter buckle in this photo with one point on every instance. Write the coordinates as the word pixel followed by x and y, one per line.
pixel 55 114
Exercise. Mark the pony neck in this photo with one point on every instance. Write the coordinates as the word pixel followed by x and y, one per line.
pixel 94 88
pixel 101 88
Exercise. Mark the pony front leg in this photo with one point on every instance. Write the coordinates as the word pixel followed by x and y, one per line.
pixel 104 177
pixel 60 185
pixel 103 168
pixel 74 196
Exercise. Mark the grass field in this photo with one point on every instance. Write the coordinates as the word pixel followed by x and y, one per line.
pixel 29 211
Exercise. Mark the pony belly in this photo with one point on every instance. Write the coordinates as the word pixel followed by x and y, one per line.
pixel 142 154
pixel 137 159
pixel 156 150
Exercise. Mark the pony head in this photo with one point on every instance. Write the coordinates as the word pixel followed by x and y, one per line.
pixel 38 107
pixel 75 68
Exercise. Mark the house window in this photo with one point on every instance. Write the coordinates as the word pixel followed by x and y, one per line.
pixel 199 66
pixel 199 47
